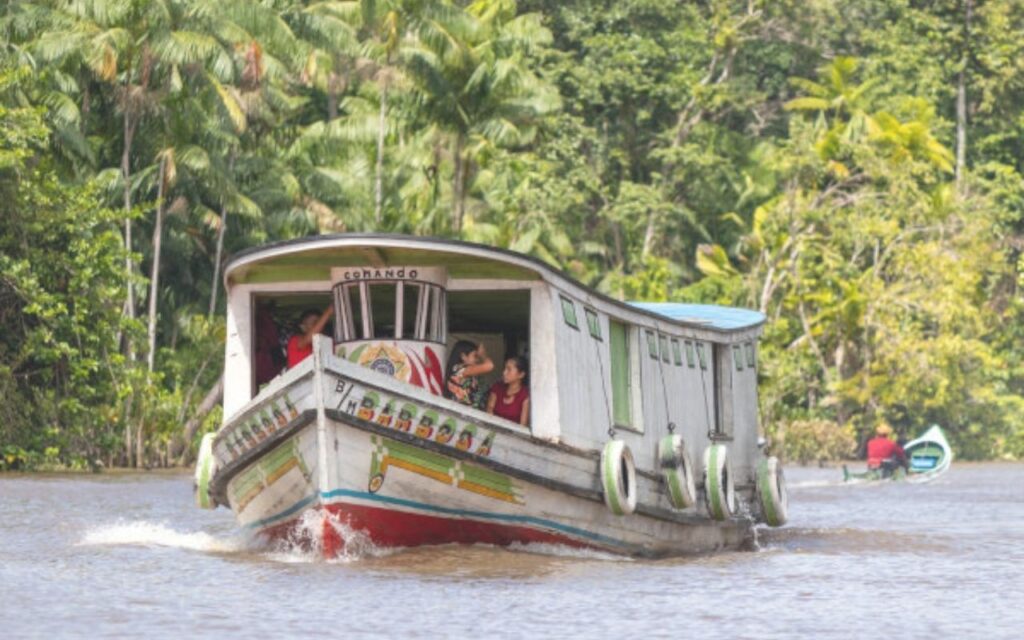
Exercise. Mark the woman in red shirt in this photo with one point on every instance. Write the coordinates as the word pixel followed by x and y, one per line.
pixel 300 345
pixel 510 398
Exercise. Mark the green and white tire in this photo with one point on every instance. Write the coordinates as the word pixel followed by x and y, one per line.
pixel 618 478
pixel 771 491
pixel 205 464
pixel 674 460
pixel 718 489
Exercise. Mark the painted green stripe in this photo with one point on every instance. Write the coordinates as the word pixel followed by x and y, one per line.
pixel 487 478
pixel 410 453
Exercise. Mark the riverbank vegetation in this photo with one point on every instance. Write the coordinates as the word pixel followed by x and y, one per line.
pixel 853 170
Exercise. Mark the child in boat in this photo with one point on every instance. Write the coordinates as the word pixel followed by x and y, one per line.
pixel 510 398
pixel 467 361
pixel 300 345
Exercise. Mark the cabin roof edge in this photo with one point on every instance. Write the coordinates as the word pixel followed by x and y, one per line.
pixel 546 271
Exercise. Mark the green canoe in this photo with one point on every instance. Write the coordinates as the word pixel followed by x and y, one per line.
pixel 928 457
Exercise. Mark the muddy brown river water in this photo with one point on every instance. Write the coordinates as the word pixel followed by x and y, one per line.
pixel 128 556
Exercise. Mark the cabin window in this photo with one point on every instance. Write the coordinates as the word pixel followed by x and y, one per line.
pixel 383 302
pixel 663 346
pixel 432 315
pixel 410 306
pixel 569 312
pixel 690 358
pixel 701 355
pixel 652 345
pixel 390 310
pixel 618 347
pixel 593 323
pixel 348 305
pixel 737 356
pixel 677 355
pixel 751 357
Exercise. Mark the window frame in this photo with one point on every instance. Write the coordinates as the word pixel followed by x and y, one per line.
pixel 569 306
pixel 652 344
pixel 593 323
pixel 430 324
pixel 691 355
pixel 677 354
pixel 663 348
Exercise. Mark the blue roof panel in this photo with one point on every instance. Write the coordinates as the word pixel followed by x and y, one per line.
pixel 714 316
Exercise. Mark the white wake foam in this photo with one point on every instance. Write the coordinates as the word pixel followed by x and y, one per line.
pixel 565 551
pixel 150 534
pixel 305 543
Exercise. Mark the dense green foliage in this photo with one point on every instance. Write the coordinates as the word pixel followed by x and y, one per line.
pixel 853 170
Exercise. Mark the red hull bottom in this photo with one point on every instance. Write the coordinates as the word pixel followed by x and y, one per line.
pixel 388 528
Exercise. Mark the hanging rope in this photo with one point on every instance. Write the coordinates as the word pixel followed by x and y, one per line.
pixel 604 390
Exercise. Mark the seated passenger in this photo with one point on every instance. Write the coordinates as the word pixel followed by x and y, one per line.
pixel 467 361
pixel 883 453
pixel 300 345
pixel 510 398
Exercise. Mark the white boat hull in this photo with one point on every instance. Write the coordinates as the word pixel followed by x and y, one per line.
pixel 445 474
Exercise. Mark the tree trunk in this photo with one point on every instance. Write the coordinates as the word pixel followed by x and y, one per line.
pixel 378 195
pixel 210 400
pixel 220 246
pixel 129 135
pixel 458 186
pixel 140 445
pixel 154 275
pixel 649 235
pixel 129 305
pixel 961 99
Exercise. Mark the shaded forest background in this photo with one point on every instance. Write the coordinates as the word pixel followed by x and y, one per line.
pixel 853 171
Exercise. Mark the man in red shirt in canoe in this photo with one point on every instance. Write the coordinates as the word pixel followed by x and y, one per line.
pixel 884 453
pixel 300 345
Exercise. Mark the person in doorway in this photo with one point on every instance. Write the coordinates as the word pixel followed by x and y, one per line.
pixel 885 454
pixel 300 345
pixel 510 398
pixel 466 363
pixel 270 359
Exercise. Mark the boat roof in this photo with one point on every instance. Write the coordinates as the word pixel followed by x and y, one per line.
pixel 715 316
pixel 311 258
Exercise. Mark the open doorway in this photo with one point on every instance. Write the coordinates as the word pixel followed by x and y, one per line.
pixel 498 319
pixel 275 320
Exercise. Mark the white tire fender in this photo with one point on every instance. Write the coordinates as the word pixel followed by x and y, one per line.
pixel 718 489
pixel 618 478
pixel 771 491
pixel 205 465
pixel 677 471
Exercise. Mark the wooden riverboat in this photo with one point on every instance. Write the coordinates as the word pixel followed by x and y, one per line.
pixel 928 457
pixel 642 438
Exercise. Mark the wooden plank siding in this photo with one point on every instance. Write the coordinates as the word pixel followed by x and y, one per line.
pixel 660 392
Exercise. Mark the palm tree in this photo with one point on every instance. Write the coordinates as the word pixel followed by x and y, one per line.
pixel 473 81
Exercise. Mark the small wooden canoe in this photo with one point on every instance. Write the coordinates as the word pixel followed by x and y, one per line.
pixel 928 457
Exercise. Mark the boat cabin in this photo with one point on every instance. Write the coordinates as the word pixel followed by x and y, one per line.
pixel 597 365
